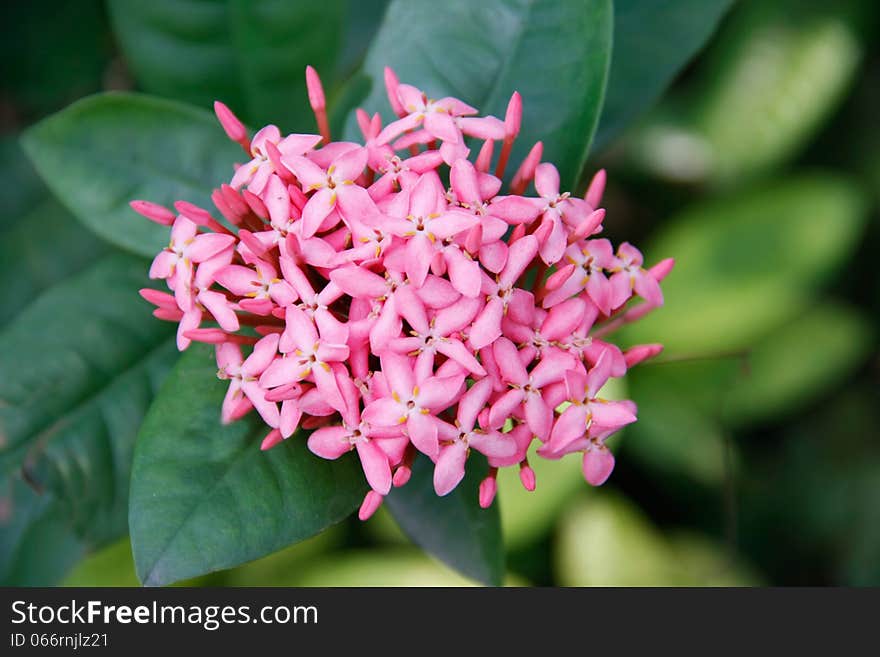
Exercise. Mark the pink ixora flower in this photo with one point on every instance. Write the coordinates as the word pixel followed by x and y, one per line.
pixel 396 299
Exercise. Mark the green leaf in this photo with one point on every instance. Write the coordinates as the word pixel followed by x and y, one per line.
pixel 777 73
pixel 30 263
pixel 111 566
pixel 53 52
pixel 607 540
pixel 105 150
pixel 453 528
pixel 774 75
pixel 682 405
pixel 22 188
pixel 679 432
pixel 80 365
pixel 283 568
pixel 770 378
pixel 203 495
pixel 748 263
pixel 251 54
pixel 554 52
pixel 779 379
pixel 652 43
pixel 362 20
pixel 37 545
pixel 114 566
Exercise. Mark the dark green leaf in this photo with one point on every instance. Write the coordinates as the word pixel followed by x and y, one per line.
pixel 37 545
pixel 362 20
pixel 251 54
pixel 204 497
pixel 652 42
pixel 52 52
pixel 30 263
pixel 80 366
pixel 105 150
pixel 679 432
pixel 554 52
pixel 453 528
pixel 22 188
pixel 40 242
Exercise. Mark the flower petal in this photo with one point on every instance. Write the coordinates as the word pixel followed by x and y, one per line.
pixel 329 442
pixel 375 465
pixel 449 469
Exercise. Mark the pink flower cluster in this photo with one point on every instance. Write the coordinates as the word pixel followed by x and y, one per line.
pixel 394 301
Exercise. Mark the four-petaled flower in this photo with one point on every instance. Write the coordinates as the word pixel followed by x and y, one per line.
pixel 412 403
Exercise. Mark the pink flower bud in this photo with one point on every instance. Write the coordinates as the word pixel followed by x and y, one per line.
pixel 372 502
pixel 588 226
pixel 273 438
pixel 401 476
pixel 153 212
pixel 640 353
pixel 256 204
pixel 484 158
pixel 488 489
pixel 557 278
pixel 662 269
pixel 194 213
pixel 526 171
pixel 234 128
pixel 513 117
pixel 315 90
pixel 527 476
pixel 391 86
pixel 596 189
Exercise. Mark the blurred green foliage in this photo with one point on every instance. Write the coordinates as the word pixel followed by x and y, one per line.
pixel 756 458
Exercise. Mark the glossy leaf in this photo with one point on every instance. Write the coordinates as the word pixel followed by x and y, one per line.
pixel 554 52
pixel 105 150
pixel 30 263
pixel 40 242
pixel 362 20
pixel 652 42
pixel 748 263
pixel 453 528
pixel 203 495
pixel 251 54
pixel 80 365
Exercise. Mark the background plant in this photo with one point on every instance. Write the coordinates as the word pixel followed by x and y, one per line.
pixel 756 455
